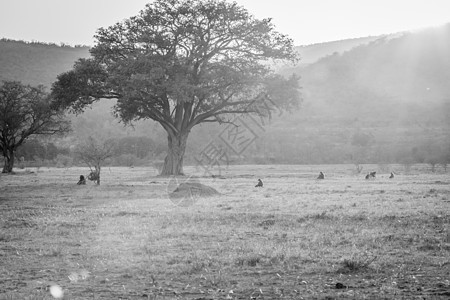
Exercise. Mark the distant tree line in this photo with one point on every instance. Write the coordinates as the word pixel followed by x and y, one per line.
pixel 34 150
pixel 38 43
pixel 126 151
pixel 360 148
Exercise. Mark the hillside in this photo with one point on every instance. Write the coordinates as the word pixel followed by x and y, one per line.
pixel 36 63
pixel 312 53
pixel 412 68
pixel 394 90
pixel 382 101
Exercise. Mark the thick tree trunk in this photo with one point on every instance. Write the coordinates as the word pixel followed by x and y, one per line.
pixel 173 163
pixel 9 161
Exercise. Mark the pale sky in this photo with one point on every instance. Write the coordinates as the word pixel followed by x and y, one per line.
pixel 75 22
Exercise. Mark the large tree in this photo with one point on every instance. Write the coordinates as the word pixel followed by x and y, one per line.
pixel 182 63
pixel 25 111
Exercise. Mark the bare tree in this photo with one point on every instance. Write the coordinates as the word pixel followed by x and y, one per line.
pixel 94 153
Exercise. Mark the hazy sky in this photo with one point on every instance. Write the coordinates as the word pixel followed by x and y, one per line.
pixel 306 21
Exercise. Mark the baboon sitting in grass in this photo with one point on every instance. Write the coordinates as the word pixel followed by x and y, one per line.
pixel 392 175
pixel 321 176
pixel 371 175
pixel 259 184
pixel 94 176
pixel 82 180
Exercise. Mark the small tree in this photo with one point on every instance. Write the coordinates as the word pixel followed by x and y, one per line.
pixel 25 111
pixel 94 154
pixel 444 159
pixel 433 160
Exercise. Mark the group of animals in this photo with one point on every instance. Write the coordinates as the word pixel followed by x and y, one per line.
pixel 371 175
pixel 92 176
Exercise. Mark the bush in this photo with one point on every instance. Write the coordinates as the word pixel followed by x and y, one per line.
pixel 432 161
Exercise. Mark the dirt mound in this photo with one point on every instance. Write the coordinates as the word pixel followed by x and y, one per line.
pixel 195 188
pixel 188 192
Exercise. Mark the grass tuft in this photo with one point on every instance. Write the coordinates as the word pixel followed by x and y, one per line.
pixel 356 263
pixel 250 261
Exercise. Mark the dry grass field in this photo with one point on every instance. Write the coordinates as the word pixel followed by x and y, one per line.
pixel 296 238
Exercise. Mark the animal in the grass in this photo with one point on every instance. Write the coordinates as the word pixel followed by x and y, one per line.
pixel 82 180
pixel 259 184
pixel 392 175
pixel 321 176
pixel 93 176
pixel 371 175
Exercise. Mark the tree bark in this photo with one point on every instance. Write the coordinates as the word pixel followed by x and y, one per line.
pixel 173 163
pixel 9 161
pixel 97 169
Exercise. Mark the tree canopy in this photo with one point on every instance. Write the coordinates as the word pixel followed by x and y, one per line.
pixel 25 111
pixel 182 63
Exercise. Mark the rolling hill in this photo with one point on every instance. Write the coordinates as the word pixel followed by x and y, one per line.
pixel 36 63
pixel 312 53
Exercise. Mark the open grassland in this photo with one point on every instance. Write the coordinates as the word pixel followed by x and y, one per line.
pixel 296 238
